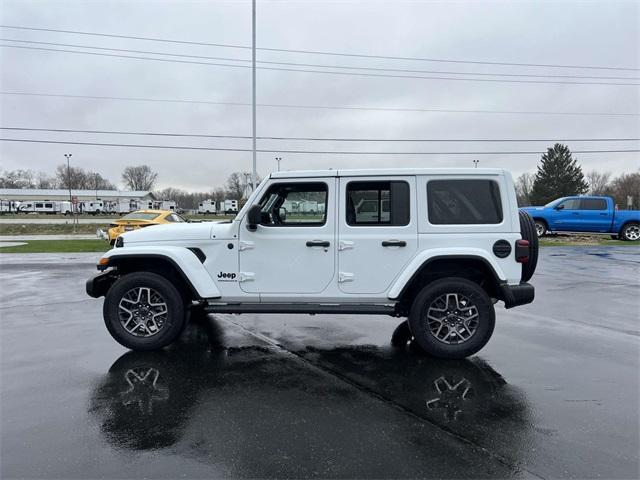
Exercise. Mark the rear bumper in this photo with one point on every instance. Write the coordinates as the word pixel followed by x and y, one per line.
pixel 514 295
pixel 98 285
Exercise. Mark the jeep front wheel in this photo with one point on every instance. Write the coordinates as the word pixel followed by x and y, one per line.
pixel 452 318
pixel 144 311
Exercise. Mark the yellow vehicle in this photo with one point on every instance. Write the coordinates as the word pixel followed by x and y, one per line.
pixel 136 220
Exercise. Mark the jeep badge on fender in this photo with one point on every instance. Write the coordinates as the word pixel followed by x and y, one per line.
pixel 439 246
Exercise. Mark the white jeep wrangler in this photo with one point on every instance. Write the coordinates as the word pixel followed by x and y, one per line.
pixel 440 247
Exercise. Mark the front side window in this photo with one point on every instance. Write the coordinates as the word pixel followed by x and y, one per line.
pixel 294 204
pixel 39 205
pixel 463 202
pixel 570 204
pixel 593 204
pixel 175 218
pixel 378 203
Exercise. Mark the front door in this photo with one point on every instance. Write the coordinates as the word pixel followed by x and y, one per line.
pixel 566 216
pixel 377 232
pixel 292 251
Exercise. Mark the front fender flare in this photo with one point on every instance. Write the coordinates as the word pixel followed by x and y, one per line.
pixel 439 253
pixel 184 260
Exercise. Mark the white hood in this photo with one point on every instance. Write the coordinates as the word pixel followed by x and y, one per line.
pixel 180 232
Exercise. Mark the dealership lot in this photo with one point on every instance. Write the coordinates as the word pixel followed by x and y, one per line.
pixel 554 393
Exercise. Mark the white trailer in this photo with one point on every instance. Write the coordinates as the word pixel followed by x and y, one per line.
pixel 46 206
pixel 65 207
pixel 207 206
pixel 9 206
pixel 230 206
pixel 94 207
pixel 165 205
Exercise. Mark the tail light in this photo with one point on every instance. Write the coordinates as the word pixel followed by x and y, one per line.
pixel 522 251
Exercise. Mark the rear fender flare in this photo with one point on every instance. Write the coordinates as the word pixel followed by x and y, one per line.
pixel 184 261
pixel 426 257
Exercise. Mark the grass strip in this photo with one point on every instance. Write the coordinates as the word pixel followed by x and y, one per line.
pixel 58 246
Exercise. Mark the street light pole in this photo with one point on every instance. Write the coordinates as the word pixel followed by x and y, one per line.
pixel 68 157
pixel 253 88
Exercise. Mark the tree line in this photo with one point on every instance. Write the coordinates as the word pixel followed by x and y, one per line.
pixel 135 178
pixel 559 175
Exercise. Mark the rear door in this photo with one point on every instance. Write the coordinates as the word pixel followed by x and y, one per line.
pixel 377 232
pixel 594 215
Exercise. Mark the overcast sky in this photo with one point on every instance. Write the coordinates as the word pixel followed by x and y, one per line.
pixel 563 33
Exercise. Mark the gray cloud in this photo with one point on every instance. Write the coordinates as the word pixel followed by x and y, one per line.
pixel 595 33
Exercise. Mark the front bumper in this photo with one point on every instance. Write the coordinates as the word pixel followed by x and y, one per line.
pixel 98 285
pixel 514 295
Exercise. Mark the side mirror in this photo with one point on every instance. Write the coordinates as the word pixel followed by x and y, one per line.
pixel 282 213
pixel 254 216
pixel 560 207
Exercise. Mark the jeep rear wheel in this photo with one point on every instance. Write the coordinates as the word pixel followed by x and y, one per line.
pixel 452 318
pixel 144 311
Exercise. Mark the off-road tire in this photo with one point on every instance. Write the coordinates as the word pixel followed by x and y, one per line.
pixel 624 233
pixel 529 233
pixel 429 295
pixel 175 317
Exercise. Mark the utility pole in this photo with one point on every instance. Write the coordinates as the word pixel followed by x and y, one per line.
pixel 476 162
pixel 68 157
pixel 278 159
pixel 253 88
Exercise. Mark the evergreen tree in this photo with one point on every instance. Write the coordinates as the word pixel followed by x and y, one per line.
pixel 558 175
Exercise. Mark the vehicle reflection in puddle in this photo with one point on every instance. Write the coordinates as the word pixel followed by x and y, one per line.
pixel 147 399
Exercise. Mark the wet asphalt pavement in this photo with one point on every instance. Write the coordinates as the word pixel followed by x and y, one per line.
pixel 554 394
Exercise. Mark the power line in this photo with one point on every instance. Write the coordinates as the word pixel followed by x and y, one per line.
pixel 322 107
pixel 326 72
pixel 323 139
pixel 180 147
pixel 316 52
pixel 316 65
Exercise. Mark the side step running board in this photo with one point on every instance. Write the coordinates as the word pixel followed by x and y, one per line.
pixel 301 308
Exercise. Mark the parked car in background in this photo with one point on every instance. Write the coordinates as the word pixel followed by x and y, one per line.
pixel 586 214
pixel 136 220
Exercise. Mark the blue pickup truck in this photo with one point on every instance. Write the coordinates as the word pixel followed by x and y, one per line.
pixel 586 214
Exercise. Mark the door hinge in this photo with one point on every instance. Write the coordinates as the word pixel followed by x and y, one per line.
pixel 247 277
pixel 345 245
pixel 245 245
pixel 345 277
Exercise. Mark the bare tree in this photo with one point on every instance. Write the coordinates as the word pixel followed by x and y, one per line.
pixel 219 195
pixel 81 179
pixel 624 186
pixel 524 184
pixel 139 178
pixel 599 182
pixel 235 186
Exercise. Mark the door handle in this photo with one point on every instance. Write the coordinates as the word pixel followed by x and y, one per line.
pixel 394 243
pixel 576 213
pixel 318 243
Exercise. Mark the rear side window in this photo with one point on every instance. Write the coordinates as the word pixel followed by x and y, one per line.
pixel 378 203
pixel 463 202
pixel 593 204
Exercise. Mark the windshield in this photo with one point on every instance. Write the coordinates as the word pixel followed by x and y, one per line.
pixel 554 202
pixel 140 216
